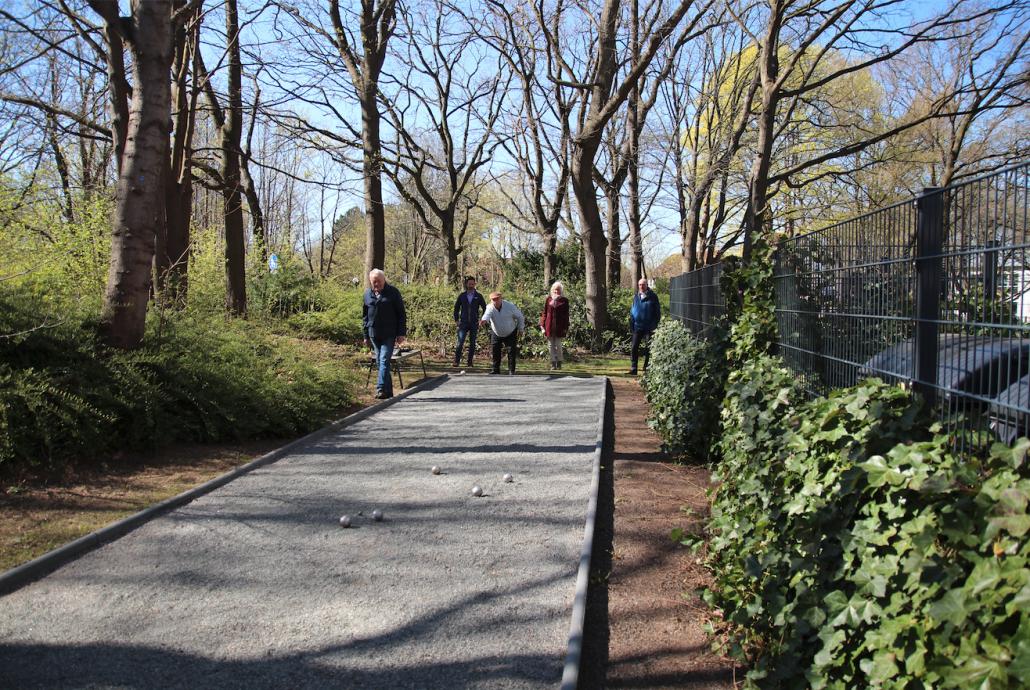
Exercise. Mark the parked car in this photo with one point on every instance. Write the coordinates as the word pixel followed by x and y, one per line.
pixel 975 373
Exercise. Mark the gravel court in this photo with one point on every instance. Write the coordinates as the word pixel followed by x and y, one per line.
pixel 256 585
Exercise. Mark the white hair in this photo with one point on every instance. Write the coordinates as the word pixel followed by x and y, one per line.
pixel 377 272
pixel 561 288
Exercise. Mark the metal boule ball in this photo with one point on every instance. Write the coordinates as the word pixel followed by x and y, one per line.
pixel 377 515
pixel 477 491
pixel 435 469
pixel 345 521
pixel 508 478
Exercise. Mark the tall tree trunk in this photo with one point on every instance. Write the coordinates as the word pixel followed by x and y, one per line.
pixel 550 238
pixel 613 257
pixel 450 246
pixel 633 126
pixel 372 166
pixel 378 21
pixel 250 191
pixel 232 198
pixel 594 242
pixel 172 260
pixel 117 86
pixel 139 200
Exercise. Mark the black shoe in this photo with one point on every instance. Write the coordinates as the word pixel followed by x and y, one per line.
pixel 632 372
pixel 380 395
pixel 494 372
pixel 557 365
pixel 511 373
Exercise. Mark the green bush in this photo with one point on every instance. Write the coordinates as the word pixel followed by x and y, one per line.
pixel 684 389
pixel 851 547
pixel 290 290
pixel 63 397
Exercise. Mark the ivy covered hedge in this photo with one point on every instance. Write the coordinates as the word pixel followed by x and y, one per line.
pixel 851 548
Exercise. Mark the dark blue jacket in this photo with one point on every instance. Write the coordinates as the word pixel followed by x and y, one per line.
pixel 645 313
pixel 467 315
pixel 383 317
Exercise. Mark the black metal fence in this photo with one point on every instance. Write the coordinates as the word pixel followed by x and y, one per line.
pixel 934 293
pixel 696 299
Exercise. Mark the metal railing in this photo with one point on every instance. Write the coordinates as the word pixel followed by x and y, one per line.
pixel 934 293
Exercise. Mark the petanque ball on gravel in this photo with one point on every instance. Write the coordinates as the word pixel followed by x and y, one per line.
pixel 345 521
pixel 377 515
pixel 435 469
pixel 477 491
pixel 508 478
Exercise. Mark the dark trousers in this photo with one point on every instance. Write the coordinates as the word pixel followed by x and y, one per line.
pixel 509 341
pixel 641 340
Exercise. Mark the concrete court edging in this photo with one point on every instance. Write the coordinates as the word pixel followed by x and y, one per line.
pixel 22 575
pixel 574 655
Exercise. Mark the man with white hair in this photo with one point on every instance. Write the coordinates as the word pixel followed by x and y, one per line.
pixel 385 326
pixel 506 325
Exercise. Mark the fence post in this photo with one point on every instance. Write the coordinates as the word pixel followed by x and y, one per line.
pixel 990 277
pixel 929 245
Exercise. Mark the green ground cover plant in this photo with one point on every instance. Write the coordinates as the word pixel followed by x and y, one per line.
pixel 63 397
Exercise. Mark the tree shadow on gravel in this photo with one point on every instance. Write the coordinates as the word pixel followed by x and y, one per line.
pixel 29 666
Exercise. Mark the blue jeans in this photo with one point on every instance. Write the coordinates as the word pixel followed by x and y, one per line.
pixel 462 333
pixel 384 351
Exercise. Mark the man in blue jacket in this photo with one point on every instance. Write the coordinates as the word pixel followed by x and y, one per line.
pixel 385 325
pixel 644 316
pixel 468 307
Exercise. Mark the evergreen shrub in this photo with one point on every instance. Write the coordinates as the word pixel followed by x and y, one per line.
pixel 64 397
pixel 684 389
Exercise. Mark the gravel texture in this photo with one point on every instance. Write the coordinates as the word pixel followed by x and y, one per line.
pixel 256 585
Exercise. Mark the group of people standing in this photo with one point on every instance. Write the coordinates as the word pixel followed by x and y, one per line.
pixel 507 323
pixel 384 323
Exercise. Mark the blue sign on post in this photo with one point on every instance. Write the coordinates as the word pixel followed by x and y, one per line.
pixel 273 262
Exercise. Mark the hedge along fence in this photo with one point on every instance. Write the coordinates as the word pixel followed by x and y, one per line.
pixel 850 546
pixel 684 388
pixel 873 556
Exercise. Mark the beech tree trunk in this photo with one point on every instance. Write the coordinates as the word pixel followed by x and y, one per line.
pixel 139 199
pixel 172 259
pixel 232 197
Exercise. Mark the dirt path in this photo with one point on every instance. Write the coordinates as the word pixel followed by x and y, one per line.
pixel 656 639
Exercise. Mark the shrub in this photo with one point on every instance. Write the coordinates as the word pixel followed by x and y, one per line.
pixel 64 397
pixel 684 389
pixel 291 289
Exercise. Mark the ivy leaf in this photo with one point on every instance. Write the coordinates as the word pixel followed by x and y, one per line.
pixel 975 670
pixel 1015 456
pixel 880 668
pixel 915 663
pixel 950 608
pixel 1019 667
pixel 1016 525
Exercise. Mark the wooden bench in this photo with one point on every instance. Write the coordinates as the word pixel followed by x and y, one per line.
pixel 399 357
